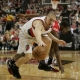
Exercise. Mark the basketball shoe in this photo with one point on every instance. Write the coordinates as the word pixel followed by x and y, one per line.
pixel 13 69
pixel 46 67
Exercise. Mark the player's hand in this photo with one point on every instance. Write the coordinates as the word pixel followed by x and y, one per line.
pixel 62 70
pixel 50 29
pixel 62 43
pixel 41 43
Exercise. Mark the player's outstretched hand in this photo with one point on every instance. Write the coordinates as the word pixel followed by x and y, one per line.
pixel 62 43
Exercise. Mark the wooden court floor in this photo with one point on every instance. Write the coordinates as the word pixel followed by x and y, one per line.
pixel 30 71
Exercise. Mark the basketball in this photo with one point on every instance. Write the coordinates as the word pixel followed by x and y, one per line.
pixel 39 53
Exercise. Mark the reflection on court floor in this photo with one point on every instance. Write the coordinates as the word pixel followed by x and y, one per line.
pixel 30 71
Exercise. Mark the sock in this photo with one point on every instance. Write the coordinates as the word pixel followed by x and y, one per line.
pixel 50 61
pixel 46 60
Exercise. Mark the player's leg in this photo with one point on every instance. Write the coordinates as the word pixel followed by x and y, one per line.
pixel 23 60
pixel 51 54
pixel 54 48
pixel 18 59
pixel 14 68
pixel 56 52
pixel 25 57
pixel 42 65
pixel 57 55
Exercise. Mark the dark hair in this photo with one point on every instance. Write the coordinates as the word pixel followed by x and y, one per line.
pixel 64 23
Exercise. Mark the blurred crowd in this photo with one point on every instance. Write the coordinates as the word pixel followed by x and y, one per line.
pixel 10 22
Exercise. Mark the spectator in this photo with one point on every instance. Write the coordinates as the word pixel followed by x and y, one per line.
pixel 1 38
pixel 40 10
pixel 14 44
pixel 0 28
pixel 10 21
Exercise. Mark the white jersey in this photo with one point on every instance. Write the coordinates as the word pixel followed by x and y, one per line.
pixel 25 38
pixel 29 24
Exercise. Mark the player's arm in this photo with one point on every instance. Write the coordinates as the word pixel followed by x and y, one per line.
pixel 48 31
pixel 37 30
pixel 61 42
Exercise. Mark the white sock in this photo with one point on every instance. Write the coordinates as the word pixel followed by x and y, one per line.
pixel 46 60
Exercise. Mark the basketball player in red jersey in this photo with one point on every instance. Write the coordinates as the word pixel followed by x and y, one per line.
pixel 33 31
pixel 56 28
pixel 54 50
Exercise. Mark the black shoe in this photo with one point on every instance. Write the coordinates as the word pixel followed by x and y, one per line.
pixel 9 64
pixel 46 67
pixel 43 66
pixel 13 69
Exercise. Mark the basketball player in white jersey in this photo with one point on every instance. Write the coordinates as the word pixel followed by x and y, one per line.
pixel 33 31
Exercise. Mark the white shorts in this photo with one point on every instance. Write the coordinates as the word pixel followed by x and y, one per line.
pixel 26 42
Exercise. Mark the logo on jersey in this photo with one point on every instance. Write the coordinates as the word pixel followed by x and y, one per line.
pixel 27 47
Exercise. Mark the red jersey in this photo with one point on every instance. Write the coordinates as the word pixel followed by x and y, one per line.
pixel 56 26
